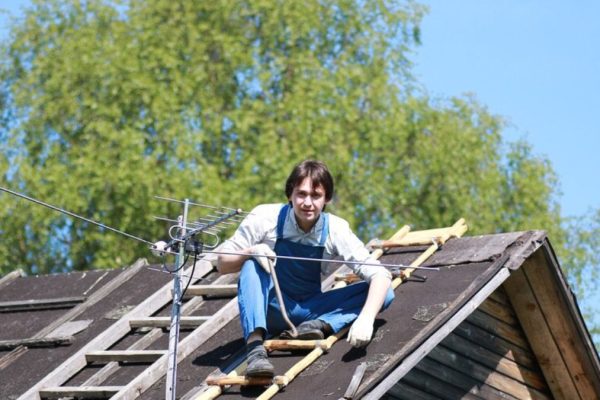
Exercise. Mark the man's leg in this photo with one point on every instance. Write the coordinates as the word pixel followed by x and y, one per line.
pixel 253 296
pixel 340 307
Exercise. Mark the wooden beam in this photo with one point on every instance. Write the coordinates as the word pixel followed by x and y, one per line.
pixel 502 346
pixel 501 329
pixel 278 344
pixel 165 322
pixel 83 392
pixel 40 304
pixel 540 336
pixel 246 381
pixel 212 290
pixel 34 342
pixel 499 311
pixel 560 319
pixel 11 276
pixel 141 356
pixel 13 355
pixel 357 376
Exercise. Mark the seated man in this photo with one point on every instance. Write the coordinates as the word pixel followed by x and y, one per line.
pixel 301 229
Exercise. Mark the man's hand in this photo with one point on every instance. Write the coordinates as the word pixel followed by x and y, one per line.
pixel 264 255
pixel 361 331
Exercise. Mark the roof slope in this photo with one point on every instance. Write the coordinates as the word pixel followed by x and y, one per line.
pixel 424 313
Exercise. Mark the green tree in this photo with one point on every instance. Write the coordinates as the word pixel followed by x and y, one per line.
pixel 104 104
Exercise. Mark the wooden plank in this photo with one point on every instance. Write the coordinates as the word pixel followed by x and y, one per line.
pixel 484 374
pixel 212 290
pixel 11 276
pixel 141 356
pixel 70 328
pixel 511 333
pixel 40 304
pixel 97 296
pixel 404 391
pixel 559 318
pixel 460 379
pixel 34 342
pixel 499 311
pixel 437 387
pixel 494 361
pixel 84 392
pixel 13 355
pixel 495 343
pixel 540 337
pixel 165 322
pixel 357 376
pixel 106 338
pixel 499 296
pixel 410 360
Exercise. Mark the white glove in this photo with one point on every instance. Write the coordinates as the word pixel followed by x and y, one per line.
pixel 158 248
pixel 361 331
pixel 263 254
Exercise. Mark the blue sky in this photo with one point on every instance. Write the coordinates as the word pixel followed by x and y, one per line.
pixel 536 63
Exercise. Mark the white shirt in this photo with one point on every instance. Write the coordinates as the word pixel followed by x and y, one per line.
pixel 260 226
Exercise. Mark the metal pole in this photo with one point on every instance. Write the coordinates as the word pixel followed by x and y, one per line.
pixel 176 312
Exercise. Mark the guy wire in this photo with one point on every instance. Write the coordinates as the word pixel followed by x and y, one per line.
pixel 50 206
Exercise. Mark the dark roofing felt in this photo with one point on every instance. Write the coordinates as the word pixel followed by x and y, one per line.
pixel 420 308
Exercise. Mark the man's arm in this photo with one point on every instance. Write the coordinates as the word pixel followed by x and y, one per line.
pixel 262 253
pixel 361 330
pixel 230 263
pixel 378 289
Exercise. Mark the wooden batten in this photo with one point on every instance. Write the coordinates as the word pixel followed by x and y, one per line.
pixel 506 331
pixel 548 321
pixel 35 342
pixel 11 276
pixel 165 322
pixel 499 345
pixel 81 392
pixel 141 356
pixel 40 304
pixel 212 290
pixel 499 311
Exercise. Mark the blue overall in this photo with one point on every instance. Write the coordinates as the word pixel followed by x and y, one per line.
pixel 300 284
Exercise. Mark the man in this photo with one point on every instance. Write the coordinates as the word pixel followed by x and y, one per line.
pixel 301 229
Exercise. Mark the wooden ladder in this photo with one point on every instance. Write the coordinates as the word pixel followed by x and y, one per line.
pixel 97 350
pixel 433 237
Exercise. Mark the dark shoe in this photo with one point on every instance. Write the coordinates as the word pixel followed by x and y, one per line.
pixel 308 330
pixel 258 362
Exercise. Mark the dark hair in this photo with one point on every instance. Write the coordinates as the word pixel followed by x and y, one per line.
pixel 316 171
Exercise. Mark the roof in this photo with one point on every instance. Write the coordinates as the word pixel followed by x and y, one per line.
pixel 521 266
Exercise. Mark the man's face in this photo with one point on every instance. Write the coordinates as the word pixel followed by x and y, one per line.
pixel 308 202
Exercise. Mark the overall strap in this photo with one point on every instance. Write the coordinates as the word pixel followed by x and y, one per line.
pixel 325 231
pixel 281 220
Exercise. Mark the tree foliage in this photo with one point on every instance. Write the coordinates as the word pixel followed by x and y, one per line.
pixel 105 104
